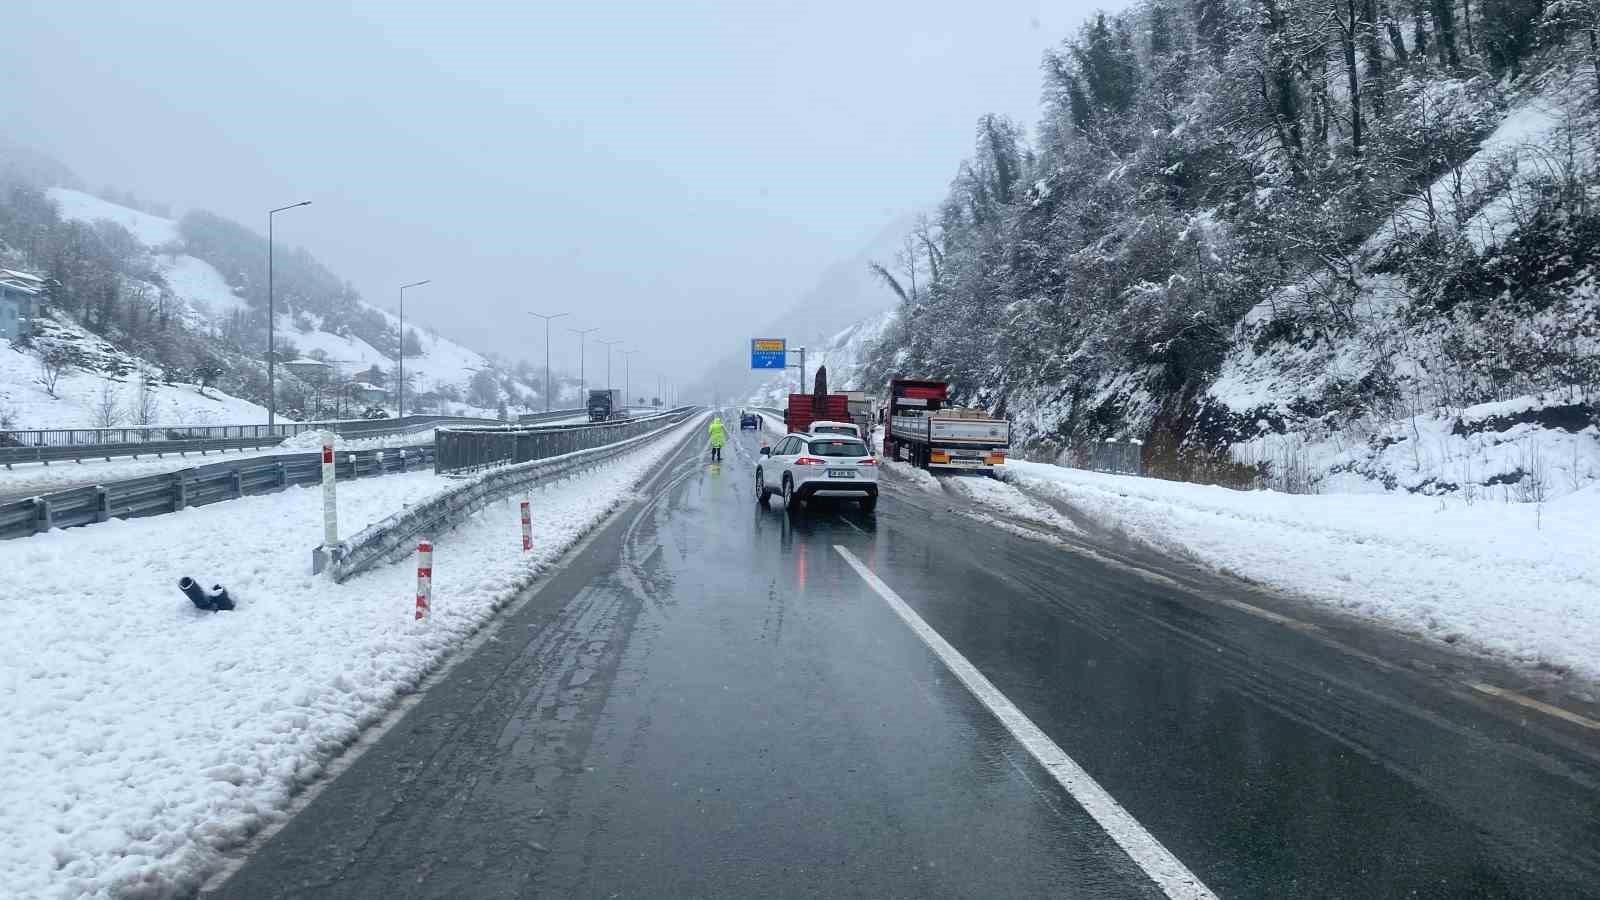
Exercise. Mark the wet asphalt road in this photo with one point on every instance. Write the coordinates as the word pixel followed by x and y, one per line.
pixel 707 701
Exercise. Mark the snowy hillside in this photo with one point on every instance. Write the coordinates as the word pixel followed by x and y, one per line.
pixel 108 387
pixel 440 376
pixel 1272 283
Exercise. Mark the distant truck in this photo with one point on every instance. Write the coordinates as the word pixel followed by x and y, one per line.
pixel 605 405
pixel 847 406
pixel 921 428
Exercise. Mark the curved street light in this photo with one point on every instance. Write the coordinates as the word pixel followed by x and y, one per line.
pixel 272 351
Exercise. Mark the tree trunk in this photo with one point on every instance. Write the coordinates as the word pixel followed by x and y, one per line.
pixel 1374 48
pixel 1444 27
pixel 1594 56
pixel 1396 40
pixel 1419 30
pixel 1347 37
pixel 1282 97
pixel 1466 19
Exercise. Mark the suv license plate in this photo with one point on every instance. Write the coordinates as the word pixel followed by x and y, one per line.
pixel 841 473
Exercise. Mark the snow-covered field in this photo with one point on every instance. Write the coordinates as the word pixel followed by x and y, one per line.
pixel 143 737
pixel 25 402
pixel 1515 580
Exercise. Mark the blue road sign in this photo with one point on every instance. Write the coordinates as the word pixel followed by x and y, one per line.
pixel 768 353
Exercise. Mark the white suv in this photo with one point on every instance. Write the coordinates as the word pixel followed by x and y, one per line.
pixel 801 466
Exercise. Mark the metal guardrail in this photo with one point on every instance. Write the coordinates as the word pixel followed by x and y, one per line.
pixel 49 445
pixel 396 536
pixel 469 449
pixel 171 491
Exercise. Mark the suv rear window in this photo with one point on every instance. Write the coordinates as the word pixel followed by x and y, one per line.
pixel 841 447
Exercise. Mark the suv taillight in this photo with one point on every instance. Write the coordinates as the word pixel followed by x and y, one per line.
pixel 810 461
pixel 869 461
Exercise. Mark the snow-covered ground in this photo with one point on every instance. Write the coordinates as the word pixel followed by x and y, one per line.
pixel 143 737
pixel 1515 580
pixel 79 392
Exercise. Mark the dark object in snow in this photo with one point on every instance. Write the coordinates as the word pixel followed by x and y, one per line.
pixel 214 601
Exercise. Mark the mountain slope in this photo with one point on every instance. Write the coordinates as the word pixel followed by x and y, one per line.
pixel 135 292
pixel 1216 245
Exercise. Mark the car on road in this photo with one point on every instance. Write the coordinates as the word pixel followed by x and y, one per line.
pixel 749 420
pixel 803 466
pixel 825 427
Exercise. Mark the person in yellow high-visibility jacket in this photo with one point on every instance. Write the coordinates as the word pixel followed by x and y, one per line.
pixel 719 436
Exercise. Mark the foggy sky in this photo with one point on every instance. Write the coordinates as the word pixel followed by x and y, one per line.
pixel 673 172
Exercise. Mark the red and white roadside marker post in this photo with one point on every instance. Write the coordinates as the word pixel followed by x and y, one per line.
pixel 424 579
pixel 527 527
pixel 330 551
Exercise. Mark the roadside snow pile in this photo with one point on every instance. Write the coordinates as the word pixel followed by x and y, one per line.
pixel 1004 497
pixel 312 440
pixel 143 737
pixel 920 478
pixel 1519 580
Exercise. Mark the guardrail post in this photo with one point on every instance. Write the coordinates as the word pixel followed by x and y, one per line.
pixel 180 491
pixel 102 503
pixel 331 551
pixel 41 515
pixel 283 475
pixel 330 500
pixel 236 478
pixel 424 579
pixel 527 527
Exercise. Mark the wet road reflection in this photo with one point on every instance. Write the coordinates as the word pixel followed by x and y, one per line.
pixel 708 701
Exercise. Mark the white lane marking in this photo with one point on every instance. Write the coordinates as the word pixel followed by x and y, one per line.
pixel 1540 705
pixel 1169 874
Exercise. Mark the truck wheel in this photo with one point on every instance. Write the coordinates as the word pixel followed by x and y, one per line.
pixel 763 496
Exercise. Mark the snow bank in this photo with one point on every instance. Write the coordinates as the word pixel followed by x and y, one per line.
pixel 143 737
pixel 312 440
pixel 1517 580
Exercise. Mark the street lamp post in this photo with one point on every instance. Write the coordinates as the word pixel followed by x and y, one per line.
pixel 583 344
pixel 400 381
pixel 547 319
pixel 627 377
pixel 609 345
pixel 272 351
